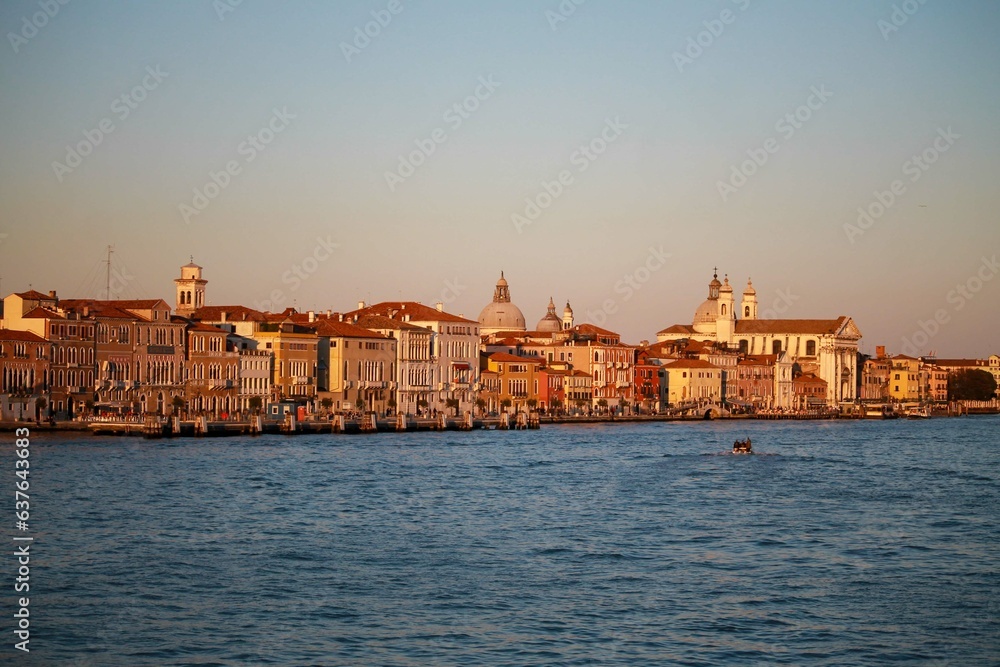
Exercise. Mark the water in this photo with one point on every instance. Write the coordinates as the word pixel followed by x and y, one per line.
pixel 857 543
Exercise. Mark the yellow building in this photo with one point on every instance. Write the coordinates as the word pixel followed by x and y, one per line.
pixel 362 366
pixel 518 379
pixel 904 379
pixel 693 381
pixel 294 347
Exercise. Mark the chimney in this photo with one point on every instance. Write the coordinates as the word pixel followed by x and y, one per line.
pixel 223 315
pixel 880 351
pixel 86 311
pixel 340 317
pixel 312 316
pixel 361 304
pixel 329 313
pixel 52 294
pixel 439 306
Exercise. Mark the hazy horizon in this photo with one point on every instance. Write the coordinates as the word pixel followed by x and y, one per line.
pixel 260 138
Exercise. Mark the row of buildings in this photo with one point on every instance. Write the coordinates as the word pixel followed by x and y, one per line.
pixel 70 357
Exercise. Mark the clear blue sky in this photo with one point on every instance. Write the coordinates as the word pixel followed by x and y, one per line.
pixel 447 230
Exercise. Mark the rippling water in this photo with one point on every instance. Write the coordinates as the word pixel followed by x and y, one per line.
pixel 839 543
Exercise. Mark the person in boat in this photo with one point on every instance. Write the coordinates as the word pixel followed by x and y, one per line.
pixel 742 447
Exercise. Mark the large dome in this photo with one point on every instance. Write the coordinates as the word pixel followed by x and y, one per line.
pixel 706 317
pixel 501 314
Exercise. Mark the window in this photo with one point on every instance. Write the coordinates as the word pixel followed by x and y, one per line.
pixel 776 347
pixel 746 311
pixel 810 348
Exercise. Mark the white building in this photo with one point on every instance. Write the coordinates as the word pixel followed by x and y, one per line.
pixel 828 347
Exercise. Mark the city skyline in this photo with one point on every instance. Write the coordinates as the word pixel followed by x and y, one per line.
pixel 838 155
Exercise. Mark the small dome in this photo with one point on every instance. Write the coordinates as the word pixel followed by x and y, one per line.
pixel 551 321
pixel 567 310
pixel 726 287
pixel 749 289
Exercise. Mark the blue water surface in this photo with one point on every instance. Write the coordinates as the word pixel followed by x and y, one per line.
pixel 838 543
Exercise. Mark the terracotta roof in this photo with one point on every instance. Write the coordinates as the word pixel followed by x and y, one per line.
pixel 417 311
pixel 790 326
pixel 587 328
pixel 504 357
pixel 758 360
pixel 382 322
pixel 335 329
pixel 579 373
pixel 904 357
pixel 690 363
pixel 233 314
pixel 809 378
pixel 25 336
pixel 45 313
pixel 974 363
pixel 34 295
pixel 677 329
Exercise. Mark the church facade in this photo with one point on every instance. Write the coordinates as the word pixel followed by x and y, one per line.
pixel 826 347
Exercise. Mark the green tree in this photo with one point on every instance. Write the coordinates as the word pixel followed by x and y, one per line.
pixel 453 403
pixel 973 384
pixel 177 402
pixel 256 403
pixel 327 403
pixel 532 403
pixel 481 404
pixel 555 404
pixel 602 403
pixel 505 403
pixel 360 403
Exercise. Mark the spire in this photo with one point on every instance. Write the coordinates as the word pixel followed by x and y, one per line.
pixel 502 292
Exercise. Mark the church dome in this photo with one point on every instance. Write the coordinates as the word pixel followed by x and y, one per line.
pixel 501 314
pixel 749 289
pixel 706 317
pixel 551 321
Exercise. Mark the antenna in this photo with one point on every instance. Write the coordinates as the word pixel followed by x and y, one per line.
pixel 108 284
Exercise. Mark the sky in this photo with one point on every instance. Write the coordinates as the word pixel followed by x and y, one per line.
pixel 313 154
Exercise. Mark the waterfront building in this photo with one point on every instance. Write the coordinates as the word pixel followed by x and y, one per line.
pixel 552 388
pixel 810 391
pixel 211 370
pixel 414 365
pixel 904 379
pixel 755 381
pixel 519 380
pixel 489 390
pixel 933 383
pixel 454 348
pixel 875 374
pixel 254 377
pixel 579 391
pixel 362 366
pixel 827 347
pixel 990 365
pixel 693 381
pixel 295 350
pixel 24 373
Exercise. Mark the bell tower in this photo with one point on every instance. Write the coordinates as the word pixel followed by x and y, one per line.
pixel 190 289
pixel 748 307
pixel 726 320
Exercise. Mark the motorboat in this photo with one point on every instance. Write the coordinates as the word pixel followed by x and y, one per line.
pixel 742 447
pixel 918 413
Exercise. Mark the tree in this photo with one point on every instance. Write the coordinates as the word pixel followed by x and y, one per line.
pixel 40 404
pixel 453 403
pixel 532 403
pixel 555 404
pixel 481 404
pixel 579 404
pixel 360 403
pixel 602 403
pixel 327 403
pixel 256 403
pixel 972 384
pixel 505 403
pixel 177 402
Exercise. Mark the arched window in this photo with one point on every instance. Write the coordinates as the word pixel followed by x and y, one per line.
pixel 746 311
pixel 744 346
pixel 810 348
pixel 723 309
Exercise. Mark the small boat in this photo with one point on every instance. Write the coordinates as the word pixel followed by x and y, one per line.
pixel 742 447
pixel 918 413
